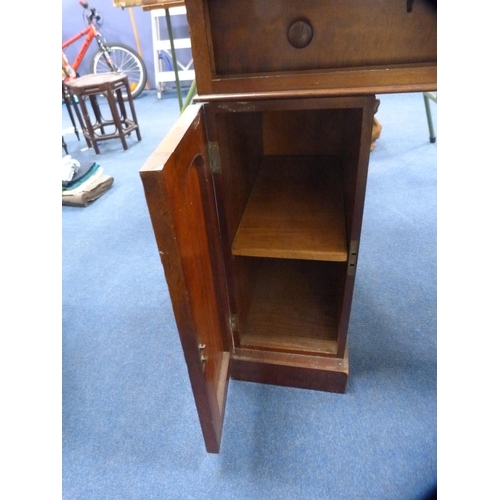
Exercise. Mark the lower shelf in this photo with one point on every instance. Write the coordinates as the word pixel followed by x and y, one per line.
pixel 291 370
pixel 292 306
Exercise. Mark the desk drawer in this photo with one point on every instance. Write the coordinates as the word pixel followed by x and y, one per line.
pixel 341 45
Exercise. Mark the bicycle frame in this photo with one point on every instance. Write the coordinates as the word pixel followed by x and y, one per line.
pixel 103 60
pixel 90 32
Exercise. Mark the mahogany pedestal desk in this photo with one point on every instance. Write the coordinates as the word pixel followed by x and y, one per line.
pixel 256 195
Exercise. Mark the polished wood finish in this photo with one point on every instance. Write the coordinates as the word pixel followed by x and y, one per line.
pixel 179 192
pixel 337 40
pixel 291 370
pixel 355 159
pixel 357 46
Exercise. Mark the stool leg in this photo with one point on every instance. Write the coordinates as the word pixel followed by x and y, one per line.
pixel 132 110
pixel 97 112
pixel 71 100
pixel 112 105
pixel 80 119
pixel 67 102
pixel 121 105
pixel 89 126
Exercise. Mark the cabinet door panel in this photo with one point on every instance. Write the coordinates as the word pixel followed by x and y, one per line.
pixel 179 192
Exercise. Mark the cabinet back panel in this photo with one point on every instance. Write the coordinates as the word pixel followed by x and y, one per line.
pixel 303 132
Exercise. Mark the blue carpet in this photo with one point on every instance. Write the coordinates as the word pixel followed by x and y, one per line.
pixel 130 428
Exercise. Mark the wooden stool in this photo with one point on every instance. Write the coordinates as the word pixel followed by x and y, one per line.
pixel 112 86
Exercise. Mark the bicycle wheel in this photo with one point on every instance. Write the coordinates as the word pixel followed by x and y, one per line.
pixel 126 60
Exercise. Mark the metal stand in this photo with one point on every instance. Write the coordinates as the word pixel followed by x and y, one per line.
pixel 174 57
pixel 430 96
pixel 184 73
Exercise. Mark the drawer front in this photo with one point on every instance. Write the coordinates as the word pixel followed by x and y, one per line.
pixel 248 39
pixel 257 36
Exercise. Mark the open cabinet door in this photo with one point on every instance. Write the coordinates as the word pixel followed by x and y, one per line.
pixel 179 192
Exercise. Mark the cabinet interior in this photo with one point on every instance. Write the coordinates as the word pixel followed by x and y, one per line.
pixel 286 199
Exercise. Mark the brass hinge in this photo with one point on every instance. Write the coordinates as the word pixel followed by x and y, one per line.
pixel 203 358
pixel 352 261
pixel 233 322
pixel 214 158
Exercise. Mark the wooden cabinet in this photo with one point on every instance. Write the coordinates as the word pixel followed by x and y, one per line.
pixel 256 200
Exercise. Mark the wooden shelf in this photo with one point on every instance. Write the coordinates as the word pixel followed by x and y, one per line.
pixel 295 211
pixel 293 307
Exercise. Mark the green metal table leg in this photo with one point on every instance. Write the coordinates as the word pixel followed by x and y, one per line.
pixel 428 96
pixel 174 58
pixel 190 95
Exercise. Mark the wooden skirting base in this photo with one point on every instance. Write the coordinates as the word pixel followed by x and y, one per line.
pixel 292 370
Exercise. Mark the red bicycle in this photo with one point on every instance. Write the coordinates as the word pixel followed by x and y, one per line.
pixel 109 57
